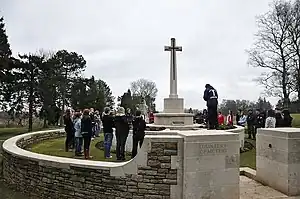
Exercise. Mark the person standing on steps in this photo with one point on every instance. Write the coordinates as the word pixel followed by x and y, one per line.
pixel 86 131
pixel 211 98
pixel 108 123
pixel 139 126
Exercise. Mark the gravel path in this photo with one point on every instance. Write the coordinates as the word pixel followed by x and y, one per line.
pixel 250 189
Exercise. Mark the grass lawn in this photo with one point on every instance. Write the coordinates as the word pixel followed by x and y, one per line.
pixel 248 159
pixel 56 147
pixel 6 133
pixel 296 120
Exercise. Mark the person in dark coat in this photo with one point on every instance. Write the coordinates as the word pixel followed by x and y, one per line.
pixel 211 98
pixel 139 126
pixel 122 131
pixel 108 123
pixel 287 118
pixel 251 121
pixel 278 117
pixel 70 131
pixel 260 120
pixel 86 131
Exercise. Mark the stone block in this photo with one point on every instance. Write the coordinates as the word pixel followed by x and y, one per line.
pixel 174 119
pixel 278 159
pixel 211 164
pixel 173 105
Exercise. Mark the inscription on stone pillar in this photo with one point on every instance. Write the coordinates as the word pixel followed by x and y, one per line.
pixel 212 149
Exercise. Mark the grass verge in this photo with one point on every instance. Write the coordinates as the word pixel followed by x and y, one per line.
pixel 296 120
pixel 248 159
pixel 6 133
pixel 55 147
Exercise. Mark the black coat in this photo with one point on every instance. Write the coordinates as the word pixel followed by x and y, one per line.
pixel 108 123
pixel 279 120
pixel 69 126
pixel 121 124
pixel 139 126
pixel 287 121
pixel 251 119
pixel 86 125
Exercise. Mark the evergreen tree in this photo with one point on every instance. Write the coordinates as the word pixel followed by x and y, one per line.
pixel 5 51
pixel 70 66
pixel 5 64
pixel 91 93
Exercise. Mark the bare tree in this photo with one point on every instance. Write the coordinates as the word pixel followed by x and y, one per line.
pixel 294 35
pixel 271 51
pixel 145 89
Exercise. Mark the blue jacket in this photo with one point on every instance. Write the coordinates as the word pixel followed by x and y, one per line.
pixel 77 126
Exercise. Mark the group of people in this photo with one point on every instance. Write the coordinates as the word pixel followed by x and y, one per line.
pixel 254 120
pixel 228 120
pixel 82 126
pixel 264 119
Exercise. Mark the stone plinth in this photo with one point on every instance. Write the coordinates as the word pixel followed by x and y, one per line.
pixel 173 119
pixel 278 159
pixel 173 105
pixel 211 164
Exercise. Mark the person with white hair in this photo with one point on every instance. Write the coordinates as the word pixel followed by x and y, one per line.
pixel 122 131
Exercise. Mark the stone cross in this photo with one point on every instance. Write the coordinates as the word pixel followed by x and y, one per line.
pixel 173 67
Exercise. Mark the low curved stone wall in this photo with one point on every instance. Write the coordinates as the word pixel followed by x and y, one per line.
pixel 153 174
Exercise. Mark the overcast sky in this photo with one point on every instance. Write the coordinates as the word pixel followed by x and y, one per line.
pixel 123 40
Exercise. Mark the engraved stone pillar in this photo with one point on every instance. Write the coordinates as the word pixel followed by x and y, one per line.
pixel 211 164
pixel 278 159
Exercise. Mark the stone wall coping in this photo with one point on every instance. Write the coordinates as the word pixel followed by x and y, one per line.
pixel 284 130
pixel 10 146
pixel 291 133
